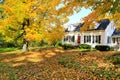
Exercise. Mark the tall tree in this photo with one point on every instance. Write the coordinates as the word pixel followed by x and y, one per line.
pixel 30 20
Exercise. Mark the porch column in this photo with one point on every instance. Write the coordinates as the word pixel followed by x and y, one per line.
pixel 95 39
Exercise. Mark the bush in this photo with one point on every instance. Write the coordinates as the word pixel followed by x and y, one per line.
pixel 58 43
pixel 84 46
pixel 102 47
pixel 112 48
pixel 67 46
pixel 43 43
pixel 10 44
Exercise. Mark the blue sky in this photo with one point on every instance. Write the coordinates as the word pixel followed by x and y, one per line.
pixel 76 17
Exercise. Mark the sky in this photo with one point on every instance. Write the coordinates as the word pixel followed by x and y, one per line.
pixel 76 17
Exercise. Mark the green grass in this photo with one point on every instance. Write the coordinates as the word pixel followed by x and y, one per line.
pixel 7 49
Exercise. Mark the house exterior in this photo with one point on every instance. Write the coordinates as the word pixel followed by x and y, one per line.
pixel 104 33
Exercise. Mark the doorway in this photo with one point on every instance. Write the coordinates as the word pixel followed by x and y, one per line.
pixel 78 40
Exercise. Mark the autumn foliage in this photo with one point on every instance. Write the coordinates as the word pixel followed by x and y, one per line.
pixel 35 20
pixel 31 20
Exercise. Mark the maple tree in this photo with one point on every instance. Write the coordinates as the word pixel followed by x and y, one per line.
pixel 31 20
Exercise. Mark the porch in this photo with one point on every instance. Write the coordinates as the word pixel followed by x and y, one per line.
pixel 116 42
pixel 74 39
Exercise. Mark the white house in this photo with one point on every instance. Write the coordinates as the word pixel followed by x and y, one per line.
pixel 104 33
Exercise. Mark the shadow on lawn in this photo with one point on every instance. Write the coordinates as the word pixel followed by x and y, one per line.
pixel 19 58
pixel 47 64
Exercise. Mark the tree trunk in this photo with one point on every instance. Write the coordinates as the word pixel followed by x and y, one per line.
pixel 25 46
pixel 26 23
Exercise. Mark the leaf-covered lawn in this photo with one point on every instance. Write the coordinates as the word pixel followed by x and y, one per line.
pixel 58 64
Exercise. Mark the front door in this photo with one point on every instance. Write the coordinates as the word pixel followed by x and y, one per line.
pixel 78 40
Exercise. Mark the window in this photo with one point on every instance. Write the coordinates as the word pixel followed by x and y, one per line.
pixel 89 38
pixel 113 40
pixel 65 38
pixel 84 39
pixel 108 39
pixel 69 38
pixel 96 39
pixel 99 37
pixel 73 38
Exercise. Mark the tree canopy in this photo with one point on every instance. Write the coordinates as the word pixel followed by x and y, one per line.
pixel 41 19
pixel 30 19
pixel 100 9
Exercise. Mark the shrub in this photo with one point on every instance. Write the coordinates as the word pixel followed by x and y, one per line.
pixel 58 44
pixel 112 48
pixel 84 46
pixel 9 44
pixel 43 43
pixel 102 47
pixel 67 46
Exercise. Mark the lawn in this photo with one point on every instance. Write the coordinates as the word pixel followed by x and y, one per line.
pixel 59 64
pixel 7 49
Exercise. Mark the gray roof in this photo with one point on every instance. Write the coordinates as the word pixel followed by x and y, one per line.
pixel 77 27
pixel 103 24
pixel 116 32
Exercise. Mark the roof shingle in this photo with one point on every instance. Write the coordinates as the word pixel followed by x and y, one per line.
pixel 103 24
pixel 116 32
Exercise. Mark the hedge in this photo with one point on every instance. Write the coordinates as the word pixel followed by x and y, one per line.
pixel 84 46
pixel 102 47
pixel 67 46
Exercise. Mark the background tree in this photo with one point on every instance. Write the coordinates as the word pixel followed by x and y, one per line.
pixel 101 9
